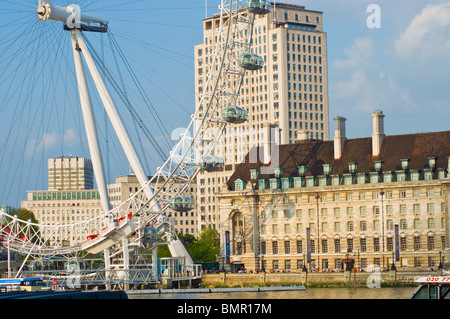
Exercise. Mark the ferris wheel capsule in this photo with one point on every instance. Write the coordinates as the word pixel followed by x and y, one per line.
pixel 150 236
pixel 211 163
pixel 235 115
pixel 251 62
pixel 258 6
pixel 182 203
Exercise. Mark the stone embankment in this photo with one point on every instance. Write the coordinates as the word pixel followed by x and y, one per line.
pixel 311 279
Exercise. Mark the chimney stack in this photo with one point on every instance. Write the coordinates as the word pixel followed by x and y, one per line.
pixel 339 136
pixel 302 135
pixel 271 142
pixel 378 132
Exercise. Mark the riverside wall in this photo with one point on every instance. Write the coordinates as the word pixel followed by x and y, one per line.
pixel 311 279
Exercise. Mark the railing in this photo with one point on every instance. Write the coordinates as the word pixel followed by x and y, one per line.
pixel 99 277
pixel 114 277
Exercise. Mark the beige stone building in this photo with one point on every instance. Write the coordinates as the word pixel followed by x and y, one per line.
pixel 290 93
pixel 371 201
pixel 70 173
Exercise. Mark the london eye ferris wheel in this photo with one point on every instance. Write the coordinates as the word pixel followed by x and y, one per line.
pixel 34 76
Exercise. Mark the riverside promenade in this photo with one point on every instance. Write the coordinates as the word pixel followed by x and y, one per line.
pixel 314 279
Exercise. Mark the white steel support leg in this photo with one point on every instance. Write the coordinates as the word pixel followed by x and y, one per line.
pixel 126 263
pixel 89 122
pixel 116 120
pixel 126 254
pixel 107 260
pixel 155 263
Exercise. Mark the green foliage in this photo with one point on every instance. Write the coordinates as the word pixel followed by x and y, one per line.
pixel 23 214
pixel 205 248
pixel 163 251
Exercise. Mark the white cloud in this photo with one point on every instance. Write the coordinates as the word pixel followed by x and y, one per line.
pixel 364 85
pixel 427 35
pixel 49 141
pixel 358 55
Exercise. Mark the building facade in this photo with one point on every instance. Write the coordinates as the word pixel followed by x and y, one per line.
pixel 70 173
pixel 379 201
pixel 290 93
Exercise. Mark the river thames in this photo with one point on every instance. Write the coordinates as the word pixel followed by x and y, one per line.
pixel 309 293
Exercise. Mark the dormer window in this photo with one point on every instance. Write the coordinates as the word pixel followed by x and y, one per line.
pixel 278 171
pixel 254 173
pixel 432 162
pixel 401 176
pixel 327 169
pixel 415 175
pixel 285 183
pixel 274 183
pixel 388 177
pixel 239 185
pixel 378 166
pixel 428 174
pixel 302 170
pixel 262 183
pixel 405 163
pixel 352 167
pixel 298 182
pixel 361 179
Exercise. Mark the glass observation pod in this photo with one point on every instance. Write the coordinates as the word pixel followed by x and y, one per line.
pixel 251 62
pixel 258 6
pixel 182 203
pixel 211 163
pixel 150 236
pixel 234 115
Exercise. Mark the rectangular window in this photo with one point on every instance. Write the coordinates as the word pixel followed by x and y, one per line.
pixel 324 246
pixel 350 226
pixel 337 245
pixel 274 247
pixel 337 226
pixel 376 244
pixel 349 245
pixel 363 225
pixel 416 223
pixel 416 208
pixel 287 247
pixel 299 246
pixel 402 209
pixel 416 243
pixel 363 244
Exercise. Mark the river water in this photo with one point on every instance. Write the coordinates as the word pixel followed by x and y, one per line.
pixel 309 293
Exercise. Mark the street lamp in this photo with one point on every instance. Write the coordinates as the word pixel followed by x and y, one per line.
pixel 318 231
pixel 382 224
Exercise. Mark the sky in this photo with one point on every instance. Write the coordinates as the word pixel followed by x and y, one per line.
pixel 382 55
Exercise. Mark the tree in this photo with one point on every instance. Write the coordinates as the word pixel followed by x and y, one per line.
pixel 207 246
pixel 23 214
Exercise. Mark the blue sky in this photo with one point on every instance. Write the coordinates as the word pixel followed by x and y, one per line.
pixel 401 68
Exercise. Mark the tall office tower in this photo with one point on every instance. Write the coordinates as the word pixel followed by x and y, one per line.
pixel 70 173
pixel 287 96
